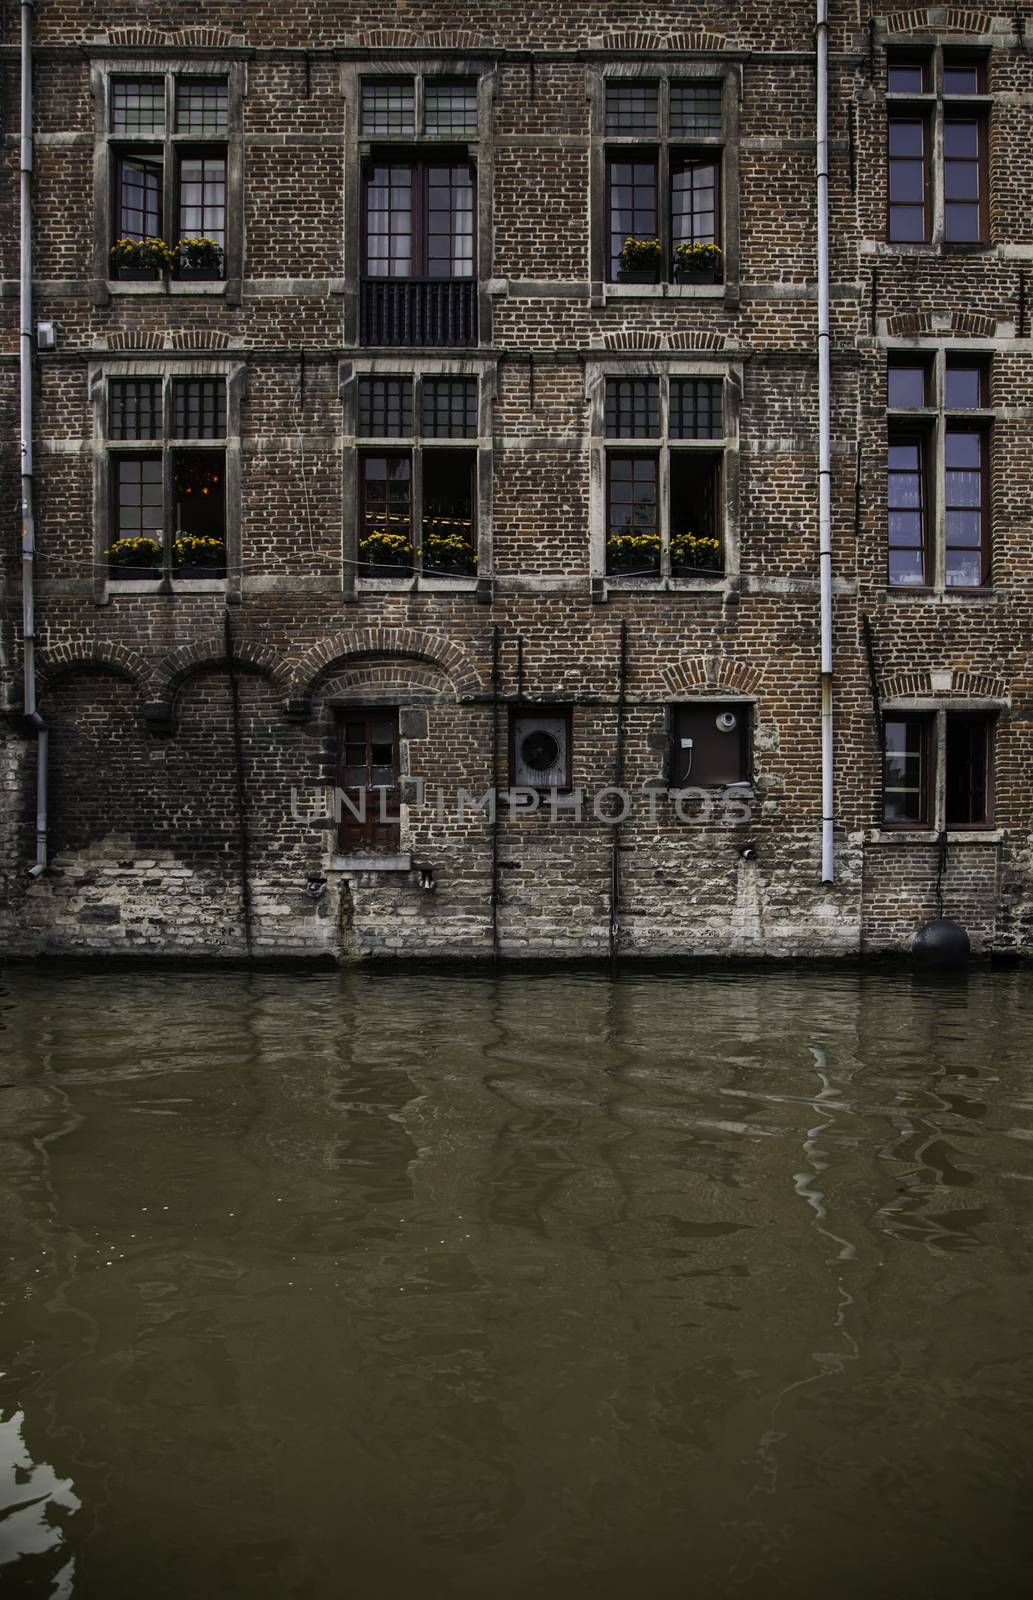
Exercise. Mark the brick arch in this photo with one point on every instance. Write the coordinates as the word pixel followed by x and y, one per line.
pixel 904 685
pixel 167 675
pixel 981 685
pixel 937 19
pixel 417 644
pixel 62 659
pixel 710 672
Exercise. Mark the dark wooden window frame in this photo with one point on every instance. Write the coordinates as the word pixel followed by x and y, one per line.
pixel 925 722
pixel 936 106
pixel 111 147
pixel 665 447
pixel 912 434
pixel 988 720
pixel 936 721
pixel 420 161
pixel 932 423
pixel 105 448
pixel 725 151
pixel 371 836
pixel 468 448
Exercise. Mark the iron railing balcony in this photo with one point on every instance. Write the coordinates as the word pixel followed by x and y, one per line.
pixel 419 312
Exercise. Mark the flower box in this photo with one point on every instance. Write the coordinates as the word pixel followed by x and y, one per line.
pixel 119 574
pixel 200 260
pixel 696 275
pixel 385 569
pixel 640 260
pixel 197 569
pixel 638 275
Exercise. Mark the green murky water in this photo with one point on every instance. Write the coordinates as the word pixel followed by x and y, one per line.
pixel 544 1285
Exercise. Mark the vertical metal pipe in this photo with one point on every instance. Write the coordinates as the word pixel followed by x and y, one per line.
pixel 618 779
pixel 25 374
pixel 828 865
pixel 495 648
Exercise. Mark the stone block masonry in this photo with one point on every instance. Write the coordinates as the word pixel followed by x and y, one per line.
pixel 183 796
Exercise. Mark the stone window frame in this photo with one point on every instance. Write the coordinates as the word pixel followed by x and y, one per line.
pixel 931 49
pixel 359 146
pixel 397 365
pixel 932 422
pixel 155 365
pixel 934 713
pixel 696 366
pixel 729 75
pixel 169 67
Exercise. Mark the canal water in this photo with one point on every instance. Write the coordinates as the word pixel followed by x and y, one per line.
pixel 536 1285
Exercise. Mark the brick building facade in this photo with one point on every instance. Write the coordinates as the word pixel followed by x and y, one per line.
pixel 491 505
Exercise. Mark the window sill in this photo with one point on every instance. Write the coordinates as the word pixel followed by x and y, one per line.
pixel 179 586
pixel 401 862
pixel 653 585
pixel 423 583
pixel 925 592
pixel 661 291
pixel 164 286
pixel 902 836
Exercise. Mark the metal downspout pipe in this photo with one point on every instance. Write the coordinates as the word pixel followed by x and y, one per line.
pixel 828 857
pixel 25 373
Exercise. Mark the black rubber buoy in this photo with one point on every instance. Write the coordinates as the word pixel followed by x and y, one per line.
pixel 942 943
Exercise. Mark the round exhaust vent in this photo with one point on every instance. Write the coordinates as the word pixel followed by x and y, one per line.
pixel 539 751
pixel 727 721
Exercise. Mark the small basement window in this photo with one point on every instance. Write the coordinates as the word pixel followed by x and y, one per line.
pixel 710 745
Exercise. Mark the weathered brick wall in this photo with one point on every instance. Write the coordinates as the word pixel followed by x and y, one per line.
pixel 146 837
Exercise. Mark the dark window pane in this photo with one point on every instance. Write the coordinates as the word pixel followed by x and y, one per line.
pixel 202 198
pixel 961 223
pixel 139 197
pixel 134 408
pixel 907 224
pixel 138 105
pixel 632 509
pixel 202 106
pixel 388 106
pixel 199 479
pixel 695 110
pixel 906 512
pixel 906 77
pixel 633 205
pixel 905 780
pixel 961 180
pixel 696 408
pixel 389 221
pixel 959 79
pixel 451 107
pixel 450 221
pixel 963 449
pixel 696 520
pixel 632 408
pixel 961 139
pixel 906 387
pixel 449 541
pixel 199 408
pixel 450 408
pixel 694 202
pixel 631 108
pixel 386 508
pixel 385 408
pixel 907 182
pixel 906 139
pixel 967 770
pixel 138 501
pixel 965 386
